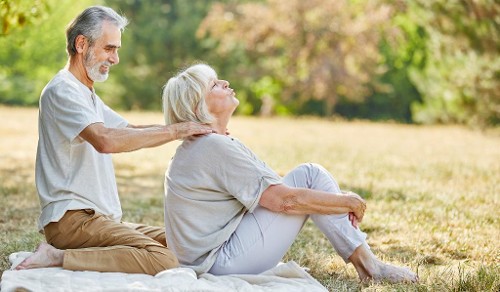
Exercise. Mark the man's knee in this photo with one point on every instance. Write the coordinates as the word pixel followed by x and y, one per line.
pixel 170 261
pixel 164 259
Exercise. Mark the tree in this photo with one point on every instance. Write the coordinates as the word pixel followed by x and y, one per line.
pixel 17 14
pixel 460 79
pixel 402 52
pixel 33 49
pixel 319 49
pixel 160 39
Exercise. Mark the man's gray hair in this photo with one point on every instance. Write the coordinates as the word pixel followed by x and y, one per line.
pixel 89 24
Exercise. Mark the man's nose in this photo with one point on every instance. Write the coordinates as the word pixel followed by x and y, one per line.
pixel 114 58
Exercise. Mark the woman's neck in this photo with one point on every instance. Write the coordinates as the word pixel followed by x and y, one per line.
pixel 220 125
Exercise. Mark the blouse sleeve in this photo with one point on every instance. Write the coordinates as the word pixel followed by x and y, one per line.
pixel 238 171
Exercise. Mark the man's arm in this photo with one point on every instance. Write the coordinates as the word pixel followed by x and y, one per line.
pixel 142 126
pixel 111 140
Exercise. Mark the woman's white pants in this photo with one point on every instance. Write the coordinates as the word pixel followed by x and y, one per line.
pixel 263 237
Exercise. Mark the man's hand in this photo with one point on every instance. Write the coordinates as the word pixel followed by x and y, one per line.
pixel 186 129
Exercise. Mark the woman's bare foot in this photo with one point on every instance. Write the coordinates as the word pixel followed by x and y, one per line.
pixel 363 274
pixel 45 256
pixel 370 268
pixel 394 274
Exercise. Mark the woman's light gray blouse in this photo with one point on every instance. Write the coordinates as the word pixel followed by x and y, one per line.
pixel 210 183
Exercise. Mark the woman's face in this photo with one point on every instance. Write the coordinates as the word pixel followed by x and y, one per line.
pixel 221 99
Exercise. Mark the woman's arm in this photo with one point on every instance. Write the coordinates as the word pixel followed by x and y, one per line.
pixel 289 200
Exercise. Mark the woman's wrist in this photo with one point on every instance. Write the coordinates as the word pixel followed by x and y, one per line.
pixel 353 200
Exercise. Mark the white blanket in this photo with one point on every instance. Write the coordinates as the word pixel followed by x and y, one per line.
pixel 284 277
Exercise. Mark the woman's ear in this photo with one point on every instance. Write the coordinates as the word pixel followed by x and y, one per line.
pixel 80 43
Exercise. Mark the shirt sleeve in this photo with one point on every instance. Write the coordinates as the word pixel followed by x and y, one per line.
pixel 70 110
pixel 239 172
pixel 111 118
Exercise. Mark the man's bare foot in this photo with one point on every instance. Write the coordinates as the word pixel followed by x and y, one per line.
pixel 45 256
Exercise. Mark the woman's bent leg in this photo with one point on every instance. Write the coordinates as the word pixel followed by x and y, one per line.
pixel 344 237
pixel 263 237
pixel 349 242
pixel 259 243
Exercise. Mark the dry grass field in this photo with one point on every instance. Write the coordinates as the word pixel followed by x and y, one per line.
pixel 433 192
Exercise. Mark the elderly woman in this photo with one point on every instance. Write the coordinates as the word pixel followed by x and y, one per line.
pixel 227 212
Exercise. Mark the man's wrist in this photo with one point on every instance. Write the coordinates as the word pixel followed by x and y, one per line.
pixel 172 131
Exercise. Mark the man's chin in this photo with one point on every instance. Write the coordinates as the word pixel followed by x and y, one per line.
pixel 101 78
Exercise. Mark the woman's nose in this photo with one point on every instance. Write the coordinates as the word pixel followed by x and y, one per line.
pixel 225 83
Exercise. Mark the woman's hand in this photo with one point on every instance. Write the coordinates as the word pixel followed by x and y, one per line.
pixel 354 220
pixel 358 207
pixel 290 200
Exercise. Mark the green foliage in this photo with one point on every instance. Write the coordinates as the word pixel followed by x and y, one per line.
pixel 459 81
pixel 319 50
pixel 152 51
pixel 409 61
pixel 15 14
pixel 32 54
pixel 394 93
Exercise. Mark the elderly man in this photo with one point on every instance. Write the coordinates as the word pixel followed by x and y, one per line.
pixel 75 178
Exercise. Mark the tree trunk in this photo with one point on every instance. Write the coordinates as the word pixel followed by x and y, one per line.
pixel 330 103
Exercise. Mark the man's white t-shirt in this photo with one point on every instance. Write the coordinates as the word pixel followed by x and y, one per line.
pixel 70 174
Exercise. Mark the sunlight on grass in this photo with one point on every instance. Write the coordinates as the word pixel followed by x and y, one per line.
pixel 433 192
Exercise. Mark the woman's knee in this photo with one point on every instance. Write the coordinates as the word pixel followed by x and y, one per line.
pixel 312 175
pixel 311 168
pixel 305 169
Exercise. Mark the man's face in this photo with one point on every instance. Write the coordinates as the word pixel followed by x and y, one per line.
pixel 104 53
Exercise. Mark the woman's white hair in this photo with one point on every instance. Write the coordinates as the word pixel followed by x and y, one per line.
pixel 184 95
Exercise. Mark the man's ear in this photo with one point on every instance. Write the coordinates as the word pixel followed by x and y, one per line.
pixel 80 43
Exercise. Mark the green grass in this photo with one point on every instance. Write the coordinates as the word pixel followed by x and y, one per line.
pixel 433 193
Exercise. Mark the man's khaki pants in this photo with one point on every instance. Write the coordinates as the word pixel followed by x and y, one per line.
pixel 94 242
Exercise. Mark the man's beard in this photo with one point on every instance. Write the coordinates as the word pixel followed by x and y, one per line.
pixel 92 67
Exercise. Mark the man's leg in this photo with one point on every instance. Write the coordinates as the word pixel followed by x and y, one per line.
pixel 93 242
pixel 155 232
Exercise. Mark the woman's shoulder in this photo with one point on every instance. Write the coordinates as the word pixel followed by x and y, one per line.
pixel 212 140
pixel 211 144
pixel 203 149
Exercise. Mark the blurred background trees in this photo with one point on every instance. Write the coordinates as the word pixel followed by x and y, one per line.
pixel 460 80
pixel 410 61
